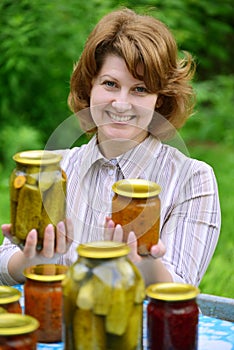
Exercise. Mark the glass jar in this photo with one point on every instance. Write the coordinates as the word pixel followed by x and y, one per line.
pixel 10 299
pixel 43 299
pixel 172 316
pixel 37 194
pixel 18 332
pixel 103 298
pixel 136 206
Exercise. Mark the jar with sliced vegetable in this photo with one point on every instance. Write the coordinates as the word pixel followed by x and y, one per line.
pixel 18 332
pixel 136 206
pixel 10 299
pixel 43 299
pixel 37 194
pixel 103 295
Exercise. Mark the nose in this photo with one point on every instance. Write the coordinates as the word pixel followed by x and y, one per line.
pixel 122 106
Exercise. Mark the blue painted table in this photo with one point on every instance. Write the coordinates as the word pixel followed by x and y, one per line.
pixel 213 333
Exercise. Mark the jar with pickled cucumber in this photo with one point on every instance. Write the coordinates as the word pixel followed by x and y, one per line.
pixel 37 194
pixel 103 295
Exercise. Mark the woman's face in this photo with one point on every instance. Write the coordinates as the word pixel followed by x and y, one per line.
pixel 121 106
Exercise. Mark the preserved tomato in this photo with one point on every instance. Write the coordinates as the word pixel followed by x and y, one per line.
pixel 43 299
pixel 172 316
pixel 9 299
pixel 37 194
pixel 103 299
pixel 18 332
pixel 136 206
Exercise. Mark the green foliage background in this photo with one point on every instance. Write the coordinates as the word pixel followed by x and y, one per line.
pixel 40 40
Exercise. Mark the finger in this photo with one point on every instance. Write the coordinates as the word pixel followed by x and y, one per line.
pixel 158 250
pixel 61 240
pixel 30 244
pixel 69 231
pixel 6 231
pixel 118 233
pixel 48 242
pixel 132 242
pixel 109 229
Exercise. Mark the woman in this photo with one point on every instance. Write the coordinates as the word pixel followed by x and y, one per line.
pixel 135 92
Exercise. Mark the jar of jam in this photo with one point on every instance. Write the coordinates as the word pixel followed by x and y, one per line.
pixel 18 332
pixel 172 316
pixel 37 194
pixel 103 299
pixel 136 206
pixel 10 299
pixel 43 299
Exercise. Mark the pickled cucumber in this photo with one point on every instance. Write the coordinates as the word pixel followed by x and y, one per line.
pixel 85 299
pixel 120 309
pixel 28 210
pixel 47 177
pixel 33 175
pixel 88 331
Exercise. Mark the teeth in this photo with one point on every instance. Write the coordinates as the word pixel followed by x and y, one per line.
pixel 117 118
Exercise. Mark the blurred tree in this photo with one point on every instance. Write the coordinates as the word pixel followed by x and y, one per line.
pixel 204 28
pixel 40 41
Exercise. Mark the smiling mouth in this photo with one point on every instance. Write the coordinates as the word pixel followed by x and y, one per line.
pixel 122 119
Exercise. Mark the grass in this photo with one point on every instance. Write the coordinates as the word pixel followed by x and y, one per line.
pixel 219 278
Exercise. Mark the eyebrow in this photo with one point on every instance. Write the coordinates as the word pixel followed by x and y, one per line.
pixel 105 76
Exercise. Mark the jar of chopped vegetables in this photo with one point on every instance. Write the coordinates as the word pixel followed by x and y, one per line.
pixel 37 194
pixel 136 206
pixel 18 332
pixel 10 299
pixel 103 298
pixel 43 299
pixel 172 316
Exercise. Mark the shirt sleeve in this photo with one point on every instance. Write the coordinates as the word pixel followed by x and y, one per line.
pixel 192 227
pixel 7 249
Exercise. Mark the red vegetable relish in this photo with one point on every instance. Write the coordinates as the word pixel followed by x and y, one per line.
pixel 172 317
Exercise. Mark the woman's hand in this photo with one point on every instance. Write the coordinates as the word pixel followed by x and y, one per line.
pixel 115 233
pixel 62 236
pixel 55 243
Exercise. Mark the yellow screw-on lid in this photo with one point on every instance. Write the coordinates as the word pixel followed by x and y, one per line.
pixel 172 291
pixel 16 324
pixel 37 157
pixel 103 249
pixel 9 295
pixel 136 188
pixel 46 272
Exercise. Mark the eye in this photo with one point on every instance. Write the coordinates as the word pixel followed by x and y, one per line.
pixel 109 84
pixel 141 90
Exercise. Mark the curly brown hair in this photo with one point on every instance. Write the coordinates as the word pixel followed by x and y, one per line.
pixel 138 39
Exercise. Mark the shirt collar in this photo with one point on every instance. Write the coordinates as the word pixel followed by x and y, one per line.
pixel 132 163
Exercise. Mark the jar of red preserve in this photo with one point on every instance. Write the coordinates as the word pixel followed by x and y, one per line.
pixel 172 316
pixel 43 299
pixel 9 299
pixel 18 332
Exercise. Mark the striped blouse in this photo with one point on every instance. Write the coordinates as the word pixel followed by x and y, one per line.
pixel 190 210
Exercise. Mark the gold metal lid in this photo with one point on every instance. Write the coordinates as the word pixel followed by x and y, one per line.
pixel 103 250
pixel 37 157
pixel 2 310
pixel 9 295
pixel 16 324
pixel 46 272
pixel 172 291
pixel 136 188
